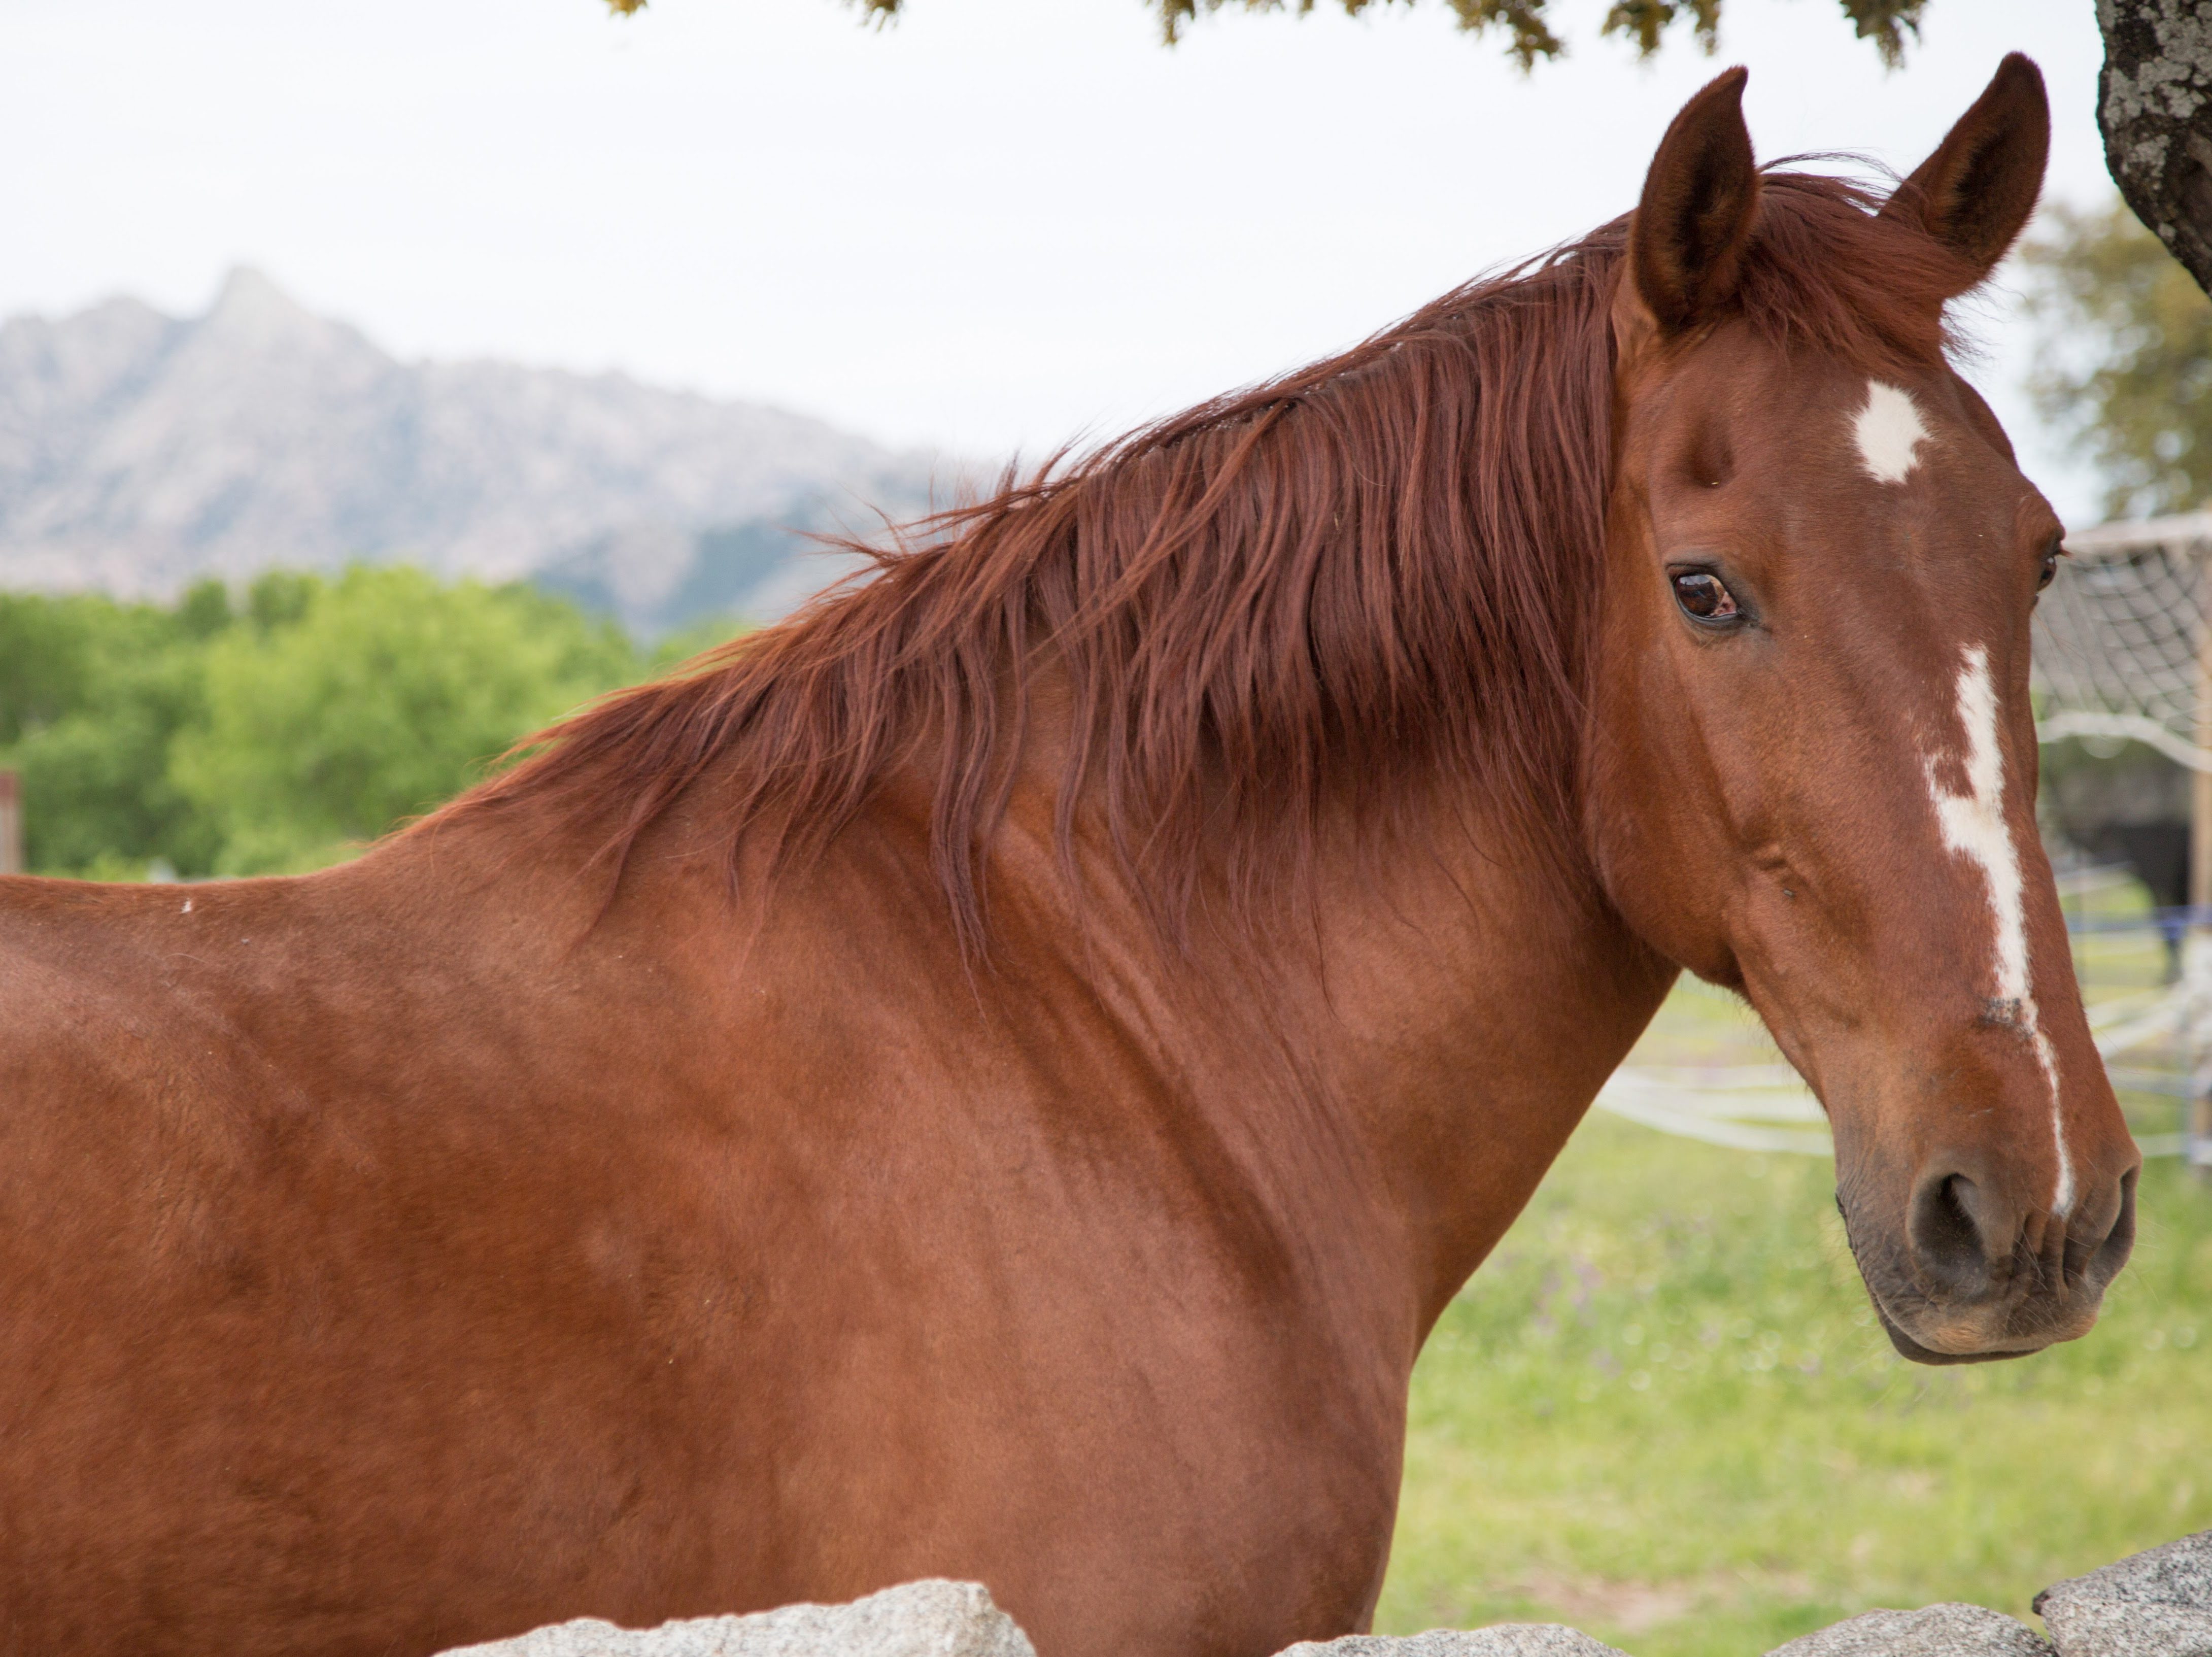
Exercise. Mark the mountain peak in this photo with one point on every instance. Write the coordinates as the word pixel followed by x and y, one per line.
pixel 250 308
pixel 248 288
pixel 139 453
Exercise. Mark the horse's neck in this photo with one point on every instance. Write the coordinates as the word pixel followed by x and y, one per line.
pixel 1422 1037
pixel 1474 1005
pixel 1417 1044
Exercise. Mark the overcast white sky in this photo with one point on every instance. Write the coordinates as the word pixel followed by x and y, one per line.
pixel 998 223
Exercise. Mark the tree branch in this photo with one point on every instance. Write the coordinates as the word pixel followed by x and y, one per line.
pixel 2154 108
pixel 1529 35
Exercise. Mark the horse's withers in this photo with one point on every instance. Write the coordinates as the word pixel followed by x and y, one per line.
pixel 1814 764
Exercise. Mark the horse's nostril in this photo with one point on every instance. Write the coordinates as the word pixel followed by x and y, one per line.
pixel 2101 1258
pixel 1946 1233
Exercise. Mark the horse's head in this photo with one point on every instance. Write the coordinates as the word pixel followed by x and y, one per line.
pixel 1813 760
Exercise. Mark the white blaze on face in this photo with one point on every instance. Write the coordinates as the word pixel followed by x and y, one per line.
pixel 1974 827
pixel 1889 430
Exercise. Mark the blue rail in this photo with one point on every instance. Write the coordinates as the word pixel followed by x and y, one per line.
pixel 2170 923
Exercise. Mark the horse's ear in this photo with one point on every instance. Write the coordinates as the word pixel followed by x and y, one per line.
pixel 1685 243
pixel 1976 192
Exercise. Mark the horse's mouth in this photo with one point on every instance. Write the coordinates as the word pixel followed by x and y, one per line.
pixel 2024 1316
pixel 1909 1347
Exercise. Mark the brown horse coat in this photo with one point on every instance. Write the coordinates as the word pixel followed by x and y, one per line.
pixel 997 1077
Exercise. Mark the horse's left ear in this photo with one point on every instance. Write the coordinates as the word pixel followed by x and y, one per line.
pixel 1975 192
pixel 1686 240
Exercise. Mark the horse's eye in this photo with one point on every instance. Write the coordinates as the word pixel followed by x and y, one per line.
pixel 1700 595
pixel 2050 569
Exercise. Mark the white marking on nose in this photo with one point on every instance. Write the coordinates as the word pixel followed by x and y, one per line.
pixel 1889 430
pixel 1974 826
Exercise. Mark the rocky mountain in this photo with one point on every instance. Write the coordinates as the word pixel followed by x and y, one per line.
pixel 139 451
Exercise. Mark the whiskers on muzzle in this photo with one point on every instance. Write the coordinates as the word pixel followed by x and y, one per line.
pixel 1961 1271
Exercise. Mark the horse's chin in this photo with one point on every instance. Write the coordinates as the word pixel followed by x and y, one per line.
pixel 1909 1347
pixel 2013 1322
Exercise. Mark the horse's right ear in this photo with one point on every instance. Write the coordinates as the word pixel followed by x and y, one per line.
pixel 1975 192
pixel 1685 243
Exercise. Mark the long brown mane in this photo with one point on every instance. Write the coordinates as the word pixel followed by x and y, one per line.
pixel 1379 569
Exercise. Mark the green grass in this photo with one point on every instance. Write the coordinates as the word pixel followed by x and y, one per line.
pixel 1662 1411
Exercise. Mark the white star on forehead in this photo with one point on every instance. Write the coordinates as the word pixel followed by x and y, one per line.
pixel 1889 432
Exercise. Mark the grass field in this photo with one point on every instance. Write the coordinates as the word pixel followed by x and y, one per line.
pixel 1662 1411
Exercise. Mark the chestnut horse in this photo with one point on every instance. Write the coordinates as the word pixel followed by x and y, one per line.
pixel 997 1076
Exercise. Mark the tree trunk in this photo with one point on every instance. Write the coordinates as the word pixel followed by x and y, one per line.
pixel 2154 108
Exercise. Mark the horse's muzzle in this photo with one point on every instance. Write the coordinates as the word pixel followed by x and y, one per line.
pixel 1977 1276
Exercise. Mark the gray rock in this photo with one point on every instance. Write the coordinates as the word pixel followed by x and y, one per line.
pixel 932 1618
pixel 1503 1640
pixel 1938 1631
pixel 2157 1604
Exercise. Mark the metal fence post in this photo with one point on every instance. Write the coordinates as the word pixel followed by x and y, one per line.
pixel 11 822
pixel 2197 946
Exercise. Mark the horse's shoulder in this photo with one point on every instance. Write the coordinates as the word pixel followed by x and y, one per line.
pixel 92 975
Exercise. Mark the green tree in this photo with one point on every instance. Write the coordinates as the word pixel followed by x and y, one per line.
pixel 92 692
pixel 99 800
pixel 2125 363
pixel 349 706
pixel 45 648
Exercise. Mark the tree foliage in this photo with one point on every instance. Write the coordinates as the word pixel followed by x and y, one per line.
pixel 274 734
pixel 1526 24
pixel 2125 363
pixel 383 694
pixel 2153 92
pixel 92 692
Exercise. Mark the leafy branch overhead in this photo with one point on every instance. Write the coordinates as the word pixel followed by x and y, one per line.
pixel 1524 23
pixel 2153 96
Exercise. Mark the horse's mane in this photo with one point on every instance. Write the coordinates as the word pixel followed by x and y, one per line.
pixel 1377 570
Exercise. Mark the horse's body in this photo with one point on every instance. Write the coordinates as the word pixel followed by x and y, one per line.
pixel 458 1264
pixel 1034 1064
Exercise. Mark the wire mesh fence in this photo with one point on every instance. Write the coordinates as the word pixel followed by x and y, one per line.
pixel 2120 639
